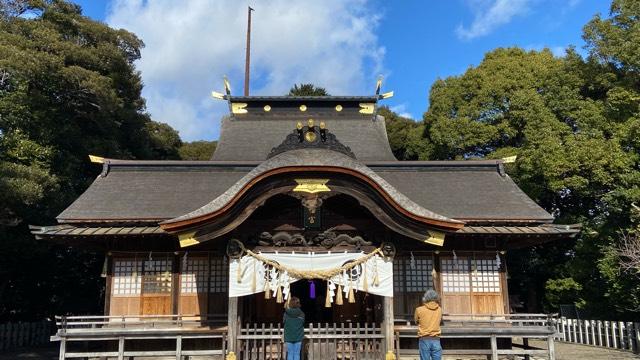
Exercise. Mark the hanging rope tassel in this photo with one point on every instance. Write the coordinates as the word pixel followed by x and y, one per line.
pixel 339 295
pixel 279 295
pixel 352 298
pixel 390 356
pixel 267 290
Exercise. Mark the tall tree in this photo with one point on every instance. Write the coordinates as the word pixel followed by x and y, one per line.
pixel 307 90
pixel 575 158
pixel 68 88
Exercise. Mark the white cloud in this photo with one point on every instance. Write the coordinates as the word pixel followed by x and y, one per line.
pixel 489 15
pixel 191 44
pixel 401 109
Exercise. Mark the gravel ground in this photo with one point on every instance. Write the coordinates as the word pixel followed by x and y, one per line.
pixel 564 351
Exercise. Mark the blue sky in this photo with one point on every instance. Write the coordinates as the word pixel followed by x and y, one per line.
pixel 339 44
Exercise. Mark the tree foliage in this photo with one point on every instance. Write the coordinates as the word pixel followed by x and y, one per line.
pixel 197 150
pixel 307 90
pixel 68 88
pixel 574 124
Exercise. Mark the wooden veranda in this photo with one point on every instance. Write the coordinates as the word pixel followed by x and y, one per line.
pixel 200 337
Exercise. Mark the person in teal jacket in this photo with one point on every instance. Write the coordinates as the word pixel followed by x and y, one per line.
pixel 293 320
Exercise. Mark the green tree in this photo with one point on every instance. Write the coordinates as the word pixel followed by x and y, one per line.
pixel 307 90
pixel 68 88
pixel 405 136
pixel 577 157
pixel 197 150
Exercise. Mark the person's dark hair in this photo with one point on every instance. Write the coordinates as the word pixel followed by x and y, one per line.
pixel 294 302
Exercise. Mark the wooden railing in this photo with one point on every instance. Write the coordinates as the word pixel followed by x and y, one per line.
pixel 65 323
pixel 489 327
pixel 162 335
pixel 610 334
pixel 321 341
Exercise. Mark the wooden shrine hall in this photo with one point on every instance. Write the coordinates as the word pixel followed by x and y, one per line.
pixel 302 197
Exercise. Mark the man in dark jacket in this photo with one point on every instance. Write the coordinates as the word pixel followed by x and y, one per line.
pixel 293 320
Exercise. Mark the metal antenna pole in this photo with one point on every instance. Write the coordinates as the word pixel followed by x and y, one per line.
pixel 248 53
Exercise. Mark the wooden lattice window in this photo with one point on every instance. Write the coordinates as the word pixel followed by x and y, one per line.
pixel 485 275
pixel 455 275
pixel 194 276
pixel 219 277
pixel 127 277
pixel 416 278
pixel 157 276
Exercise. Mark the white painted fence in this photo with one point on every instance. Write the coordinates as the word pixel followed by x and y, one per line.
pixel 611 334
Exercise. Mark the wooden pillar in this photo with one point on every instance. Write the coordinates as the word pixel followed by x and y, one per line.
pixel 387 325
pixel 108 284
pixel 232 325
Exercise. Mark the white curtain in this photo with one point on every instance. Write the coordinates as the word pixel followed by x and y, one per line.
pixel 310 261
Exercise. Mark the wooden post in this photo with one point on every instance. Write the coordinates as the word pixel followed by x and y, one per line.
pixel 121 348
pixel 494 348
pixel 623 345
pixel 63 349
pixel 232 324
pixel 551 347
pixel 179 347
pixel 614 342
pixel 387 324
pixel 599 333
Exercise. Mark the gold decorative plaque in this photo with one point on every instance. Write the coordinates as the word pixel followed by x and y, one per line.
pixel 367 108
pixel 311 186
pixel 435 238
pixel 188 239
pixel 338 108
pixel 267 108
pixel 239 108
pixel 303 107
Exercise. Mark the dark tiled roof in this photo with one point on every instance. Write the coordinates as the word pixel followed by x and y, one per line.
pixel 313 157
pixel 250 137
pixel 160 190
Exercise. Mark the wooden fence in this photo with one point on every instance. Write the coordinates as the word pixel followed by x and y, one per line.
pixel 24 334
pixel 610 334
pixel 321 341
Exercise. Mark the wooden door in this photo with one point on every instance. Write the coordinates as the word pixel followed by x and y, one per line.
pixel 157 282
pixel 486 287
pixel 456 285
pixel 411 278
pixel 471 286
pixel 126 285
pixel 194 286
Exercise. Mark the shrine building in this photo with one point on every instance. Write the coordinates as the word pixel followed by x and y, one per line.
pixel 302 197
